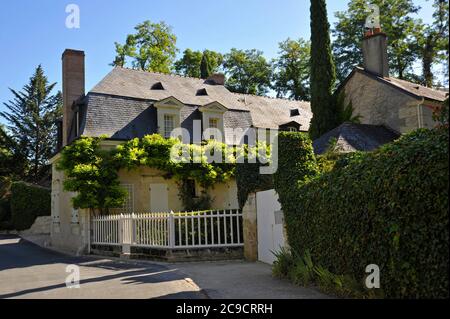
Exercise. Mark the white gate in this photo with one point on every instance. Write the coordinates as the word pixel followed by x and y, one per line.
pixel 207 229
pixel 270 225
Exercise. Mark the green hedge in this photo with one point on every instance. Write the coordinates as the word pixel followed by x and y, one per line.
pixel 388 207
pixel 28 202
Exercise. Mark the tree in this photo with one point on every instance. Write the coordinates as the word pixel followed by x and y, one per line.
pixel 12 161
pixel 433 42
pixel 211 61
pixel 291 70
pixel 396 21
pixel 248 72
pixel 323 74
pixel 198 64
pixel 31 118
pixel 152 48
pixel 189 64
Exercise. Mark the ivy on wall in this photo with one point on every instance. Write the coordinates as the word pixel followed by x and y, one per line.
pixel 388 207
pixel 92 172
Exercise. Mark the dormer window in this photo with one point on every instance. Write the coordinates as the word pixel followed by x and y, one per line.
pixel 202 92
pixel 157 86
pixel 169 116
pixel 213 122
pixel 295 112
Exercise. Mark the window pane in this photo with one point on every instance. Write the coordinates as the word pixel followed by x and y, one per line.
pixel 169 124
pixel 213 123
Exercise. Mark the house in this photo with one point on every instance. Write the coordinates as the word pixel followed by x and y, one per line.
pixel 130 103
pixel 386 106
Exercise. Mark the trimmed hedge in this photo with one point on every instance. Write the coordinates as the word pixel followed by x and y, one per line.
pixel 28 202
pixel 388 207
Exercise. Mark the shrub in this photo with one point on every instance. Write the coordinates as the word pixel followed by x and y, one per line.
pixel 5 209
pixel 388 207
pixel 28 202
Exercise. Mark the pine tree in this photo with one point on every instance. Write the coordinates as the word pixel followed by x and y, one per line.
pixel 323 75
pixel 31 118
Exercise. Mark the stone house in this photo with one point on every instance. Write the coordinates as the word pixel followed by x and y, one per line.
pixel 130 103
pixel 386 106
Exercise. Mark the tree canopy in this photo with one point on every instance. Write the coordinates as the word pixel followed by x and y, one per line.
pixel 397 21
pixel 292 69
pixel 248 71
pixel 31 130
pixel 151 48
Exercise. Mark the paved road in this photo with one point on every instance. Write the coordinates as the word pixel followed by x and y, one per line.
pixel 243 280
pixel 28 271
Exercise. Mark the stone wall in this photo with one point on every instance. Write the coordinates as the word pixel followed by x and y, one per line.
pixel 380 104
pixel 250 228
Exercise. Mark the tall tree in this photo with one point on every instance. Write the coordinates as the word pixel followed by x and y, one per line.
pixel 189 64
pixel 248 71
pixel 211 61
pixel 198 64
pixel 323 74
pixel 397 21
pixel 151 48
pixel 291 70
pixel 31 118
pixel 433 42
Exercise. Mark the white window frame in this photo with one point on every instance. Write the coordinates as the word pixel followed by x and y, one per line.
pixel 168 106
pixel 169 124
pixel 213 122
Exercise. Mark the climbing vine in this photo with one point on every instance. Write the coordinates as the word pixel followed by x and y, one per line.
pixel 91 170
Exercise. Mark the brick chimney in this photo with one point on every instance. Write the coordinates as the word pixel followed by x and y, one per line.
pixel 72 86
pixel 216 79
pixel 375 52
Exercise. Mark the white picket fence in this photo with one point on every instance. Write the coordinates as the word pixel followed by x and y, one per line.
pixel 170 230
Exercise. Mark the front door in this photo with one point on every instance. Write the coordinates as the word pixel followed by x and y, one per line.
pixel 159 198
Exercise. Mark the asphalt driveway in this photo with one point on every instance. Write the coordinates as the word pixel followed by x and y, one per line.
pixel 29 271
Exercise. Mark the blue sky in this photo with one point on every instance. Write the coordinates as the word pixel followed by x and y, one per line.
pixel 33 32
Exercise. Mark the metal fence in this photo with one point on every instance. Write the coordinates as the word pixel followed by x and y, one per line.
pixel 220 228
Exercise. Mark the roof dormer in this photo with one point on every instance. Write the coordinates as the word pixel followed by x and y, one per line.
pixel 157 86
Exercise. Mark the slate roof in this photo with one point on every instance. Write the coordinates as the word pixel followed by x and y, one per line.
pixel 353 137
pixel 265 112
pixel 416 90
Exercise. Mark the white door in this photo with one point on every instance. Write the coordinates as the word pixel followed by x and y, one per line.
pixel 270 225
pixel 159 198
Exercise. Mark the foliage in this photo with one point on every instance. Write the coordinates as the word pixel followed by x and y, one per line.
pixel 248 176
pixel 396 17
pixel 296 165
pixel 388 207
pixel 151 48
pixel 322 72
pixel 248 72
pixel 28 202
pixel 284 261
pixel 31 137
pixel 92 171
pixel 345 112
pixel 440 115
pixel 190 203
pixel 291 70
pixel 211 61
pixel 189 64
